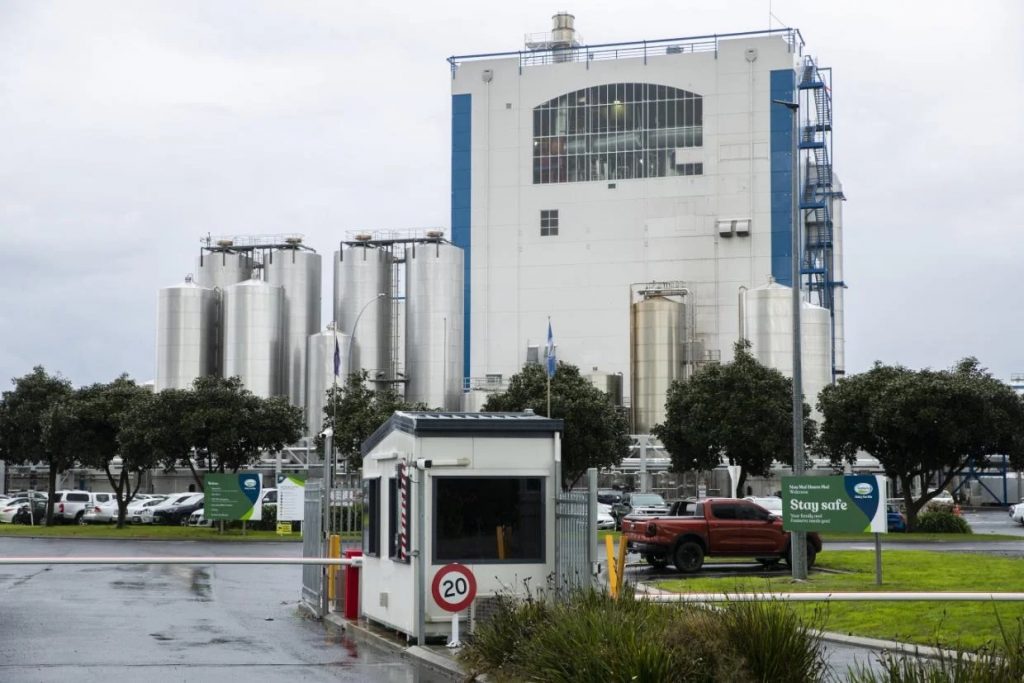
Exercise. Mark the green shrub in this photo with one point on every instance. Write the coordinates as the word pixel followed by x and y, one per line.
pixel 591 637
pixel 940 522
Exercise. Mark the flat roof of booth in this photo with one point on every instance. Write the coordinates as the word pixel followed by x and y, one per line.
pixel 422 423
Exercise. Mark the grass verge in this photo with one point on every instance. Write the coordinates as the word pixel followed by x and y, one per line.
pixel 142 532
pixel 916 537
pixel 970 624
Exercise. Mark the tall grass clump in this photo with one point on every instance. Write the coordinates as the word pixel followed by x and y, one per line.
pixel 1003 662
pixel 594 638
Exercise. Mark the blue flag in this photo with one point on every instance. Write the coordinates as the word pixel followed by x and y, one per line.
pixel 549 352
pixel 337 357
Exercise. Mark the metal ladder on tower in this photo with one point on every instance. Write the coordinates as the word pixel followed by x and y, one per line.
pixel 815 145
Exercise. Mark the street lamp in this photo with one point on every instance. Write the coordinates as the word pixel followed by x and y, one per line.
pixel 798 549
pixel 352 334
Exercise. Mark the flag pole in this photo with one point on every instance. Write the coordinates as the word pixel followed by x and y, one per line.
pixel 550 363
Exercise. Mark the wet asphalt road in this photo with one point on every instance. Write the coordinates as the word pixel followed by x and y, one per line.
pixel 174 622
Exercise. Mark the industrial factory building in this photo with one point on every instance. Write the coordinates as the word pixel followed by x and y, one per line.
pixel 640 195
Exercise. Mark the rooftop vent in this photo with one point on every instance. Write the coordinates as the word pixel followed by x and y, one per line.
pixel 364 237
pixel 435 234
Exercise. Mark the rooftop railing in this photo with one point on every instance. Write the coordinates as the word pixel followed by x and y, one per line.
pixel 632 50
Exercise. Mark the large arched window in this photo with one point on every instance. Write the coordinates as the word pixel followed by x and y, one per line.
pixel 617 131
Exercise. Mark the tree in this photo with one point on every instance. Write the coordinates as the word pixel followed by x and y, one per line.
pixel 923 427
pixel 740 411
pixel 33 428
pixel 229 426
pixel 359 411
pixel 100 412
pixel 160 425
pixel 596 433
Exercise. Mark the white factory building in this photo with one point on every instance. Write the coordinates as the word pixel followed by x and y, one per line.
pixel 631 192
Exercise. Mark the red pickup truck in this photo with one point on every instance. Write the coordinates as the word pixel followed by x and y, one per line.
pixel 724 527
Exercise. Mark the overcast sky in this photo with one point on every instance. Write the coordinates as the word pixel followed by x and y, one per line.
pixel 128 130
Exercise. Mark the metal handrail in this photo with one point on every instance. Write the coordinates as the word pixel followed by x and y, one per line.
pixel 874 596
pixel 333 561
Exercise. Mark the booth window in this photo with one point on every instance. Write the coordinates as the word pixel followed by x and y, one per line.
pixel 394 521
pixel 371 517
pixel 489 519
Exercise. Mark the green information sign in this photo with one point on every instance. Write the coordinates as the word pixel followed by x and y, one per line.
pixel 847 503
pixel 233 496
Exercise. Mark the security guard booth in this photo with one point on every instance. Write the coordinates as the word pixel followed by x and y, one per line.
pixel 474 489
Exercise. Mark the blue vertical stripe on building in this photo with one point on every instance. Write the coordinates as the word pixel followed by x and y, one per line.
pixel 782 149
pixel 462 237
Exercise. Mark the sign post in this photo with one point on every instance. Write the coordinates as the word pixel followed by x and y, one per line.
pixel 855 503
pixel 454 588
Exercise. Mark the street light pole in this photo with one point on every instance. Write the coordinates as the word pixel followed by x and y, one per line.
pixel 798 548
pixel 352 334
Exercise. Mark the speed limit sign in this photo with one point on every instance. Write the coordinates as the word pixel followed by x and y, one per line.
pixel 454 587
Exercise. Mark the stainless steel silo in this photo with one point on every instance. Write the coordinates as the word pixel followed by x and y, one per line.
pixel 361 273
pixel 609 383
pixel 298 273
pixel 320 373
pixel 433 324
pixel 223 268
pixel 770 331
pixel 658 336
pixel 253 315
pixel 186 342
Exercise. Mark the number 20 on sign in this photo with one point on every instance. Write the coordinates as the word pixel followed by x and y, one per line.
pixel 454 588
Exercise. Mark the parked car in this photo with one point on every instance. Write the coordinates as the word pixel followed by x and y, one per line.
pixel 1017 512
pixel 146 513
pixel 70 506
pixel 896 520
pixel 197 518
pixel 10 507
pixel 100 513
pixel 609 496
pixel 719 527
pixel 176 510
pixel 772 504
pixel 604 516
pixel 638 504
pixel 136 508
pixel 31 513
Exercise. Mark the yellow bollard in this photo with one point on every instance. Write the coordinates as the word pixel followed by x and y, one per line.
pixel 333 552
pixel 620 566
pixel 609 547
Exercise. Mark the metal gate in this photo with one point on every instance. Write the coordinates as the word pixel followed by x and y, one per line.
pixel 313 546
pixel 576 537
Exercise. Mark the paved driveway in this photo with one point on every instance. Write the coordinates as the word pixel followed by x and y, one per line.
pixel 171 622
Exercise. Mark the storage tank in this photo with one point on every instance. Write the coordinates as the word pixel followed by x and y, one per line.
pixel 770 331
pixel 298 273
pixel 320 373
pixel 253 314
pixel 433 325
pixel 186 342
pixel 222 267
pixel 361 272
pixel 609 383
pixel 658 336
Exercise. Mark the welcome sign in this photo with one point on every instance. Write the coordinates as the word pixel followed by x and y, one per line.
pixel 233 496
pixel 848 503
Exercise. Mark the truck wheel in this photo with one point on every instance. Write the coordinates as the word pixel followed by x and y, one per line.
pixel 812 554
pixel 689 557
pixel 656 561
pixel 80 518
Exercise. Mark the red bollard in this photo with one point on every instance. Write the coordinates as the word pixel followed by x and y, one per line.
pixel 352 586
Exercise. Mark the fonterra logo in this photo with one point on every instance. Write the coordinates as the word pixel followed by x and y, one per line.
pixel 863 489
pixel 249 483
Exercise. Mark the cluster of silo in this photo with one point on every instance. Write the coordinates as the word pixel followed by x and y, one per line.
pixel 244 317
pixel 768 326
pixel 363 273
pixel 659 336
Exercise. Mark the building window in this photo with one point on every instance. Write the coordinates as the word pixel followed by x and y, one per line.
pixel 616 131
pixel 548 222
pixel 371 517
pixel 489 519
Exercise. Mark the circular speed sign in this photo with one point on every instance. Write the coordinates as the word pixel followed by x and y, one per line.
pixel 454 587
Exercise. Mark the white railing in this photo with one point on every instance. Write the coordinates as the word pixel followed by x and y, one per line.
pixel 876 596
pixel 333 561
